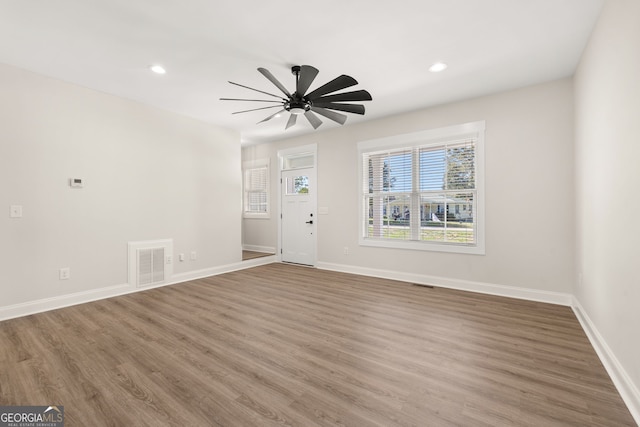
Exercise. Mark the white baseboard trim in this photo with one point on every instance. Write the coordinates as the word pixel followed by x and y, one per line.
pixel 259 261
pixel 627 389
pixel 214 271
pixel 463 285
pixel 53 303
pixel 256 248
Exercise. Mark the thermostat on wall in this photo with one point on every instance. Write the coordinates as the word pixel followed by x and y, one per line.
pixel 75 182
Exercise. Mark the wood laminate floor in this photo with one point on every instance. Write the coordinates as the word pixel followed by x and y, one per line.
pixel 288 345
pixel 247 255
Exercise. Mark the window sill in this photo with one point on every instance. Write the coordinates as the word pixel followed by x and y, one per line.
pixel 256 216
pixel 476 249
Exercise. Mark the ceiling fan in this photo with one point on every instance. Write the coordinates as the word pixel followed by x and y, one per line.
pixel 318 101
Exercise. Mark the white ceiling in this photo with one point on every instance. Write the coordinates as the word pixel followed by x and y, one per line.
pixel 108 45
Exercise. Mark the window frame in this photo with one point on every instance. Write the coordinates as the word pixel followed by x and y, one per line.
pixel 247 167
pixel 426 139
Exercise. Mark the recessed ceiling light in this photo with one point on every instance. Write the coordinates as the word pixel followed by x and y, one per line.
pixel 158 69
pixel 437 67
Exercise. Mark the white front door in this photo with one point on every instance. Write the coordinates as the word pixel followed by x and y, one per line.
pixel 299 216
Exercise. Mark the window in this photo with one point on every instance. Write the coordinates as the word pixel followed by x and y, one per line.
pixel 297 185
pixel 424 190
pixel 256 189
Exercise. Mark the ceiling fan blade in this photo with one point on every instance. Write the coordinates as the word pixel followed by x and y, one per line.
pixel 253 100
pixel 291 121
pixel 349 108
pixel 357 95
pixel 313 119
pixel 336 117
pixel 273 80
pixel 340 82
pixel 306 77
pixel 272 116
pixel 258 90
pixel 256 109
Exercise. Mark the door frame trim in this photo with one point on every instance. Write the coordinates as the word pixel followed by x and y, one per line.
pixel 282 155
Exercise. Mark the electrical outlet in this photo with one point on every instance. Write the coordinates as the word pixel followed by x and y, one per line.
pixel 346 250
pixel 64 273
pixel 169 259
pixel 16 211
pixel 194 255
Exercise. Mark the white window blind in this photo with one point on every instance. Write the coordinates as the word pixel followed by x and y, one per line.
pixel 423 194
pixel 256 191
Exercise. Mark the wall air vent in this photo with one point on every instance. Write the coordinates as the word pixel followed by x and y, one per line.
pixel 150 262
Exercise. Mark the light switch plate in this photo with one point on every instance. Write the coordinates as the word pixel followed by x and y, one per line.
pixel 64 273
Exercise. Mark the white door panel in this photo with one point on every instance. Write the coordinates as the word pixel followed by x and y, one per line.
pixel 299 216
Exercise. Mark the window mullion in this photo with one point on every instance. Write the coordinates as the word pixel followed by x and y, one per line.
pixel 377 165
pixel 415 194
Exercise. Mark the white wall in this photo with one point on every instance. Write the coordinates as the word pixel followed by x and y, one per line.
pixel 529 192
pixel 148 174
pixel 607 100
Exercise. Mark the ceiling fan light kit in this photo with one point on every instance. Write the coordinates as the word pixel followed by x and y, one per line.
pixel 321 101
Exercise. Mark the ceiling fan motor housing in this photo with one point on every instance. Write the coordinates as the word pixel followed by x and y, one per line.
pixel 297 104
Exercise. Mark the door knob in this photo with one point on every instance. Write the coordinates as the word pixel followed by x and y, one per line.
pixel 309 222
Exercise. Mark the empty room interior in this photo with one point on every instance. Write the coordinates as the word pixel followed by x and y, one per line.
pixel 339 213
